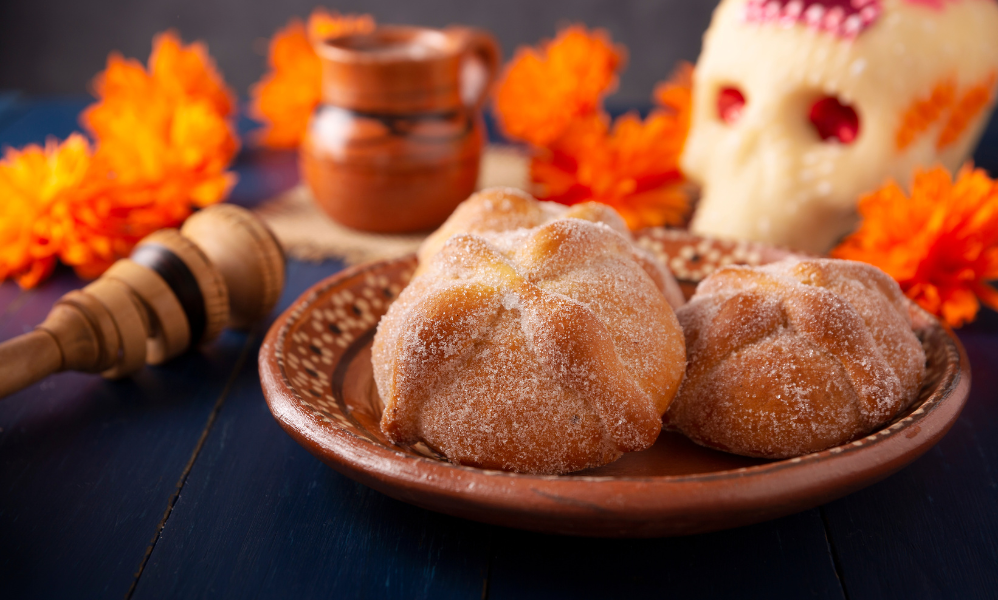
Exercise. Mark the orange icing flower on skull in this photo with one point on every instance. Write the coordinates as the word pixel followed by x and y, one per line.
pixel 956 109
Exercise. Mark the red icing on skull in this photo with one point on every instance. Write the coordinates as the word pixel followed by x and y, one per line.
pixel 834 120
pixel 844 18
pixel 730 104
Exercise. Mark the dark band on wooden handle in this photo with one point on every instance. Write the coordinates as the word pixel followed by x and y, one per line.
pixel 181 280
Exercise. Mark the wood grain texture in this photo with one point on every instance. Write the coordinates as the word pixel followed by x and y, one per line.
pixel 931 530
pixel 88 468
pixel 785 558
pixel 261 517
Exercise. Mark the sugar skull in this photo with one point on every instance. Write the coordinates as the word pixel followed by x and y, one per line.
pixel 801 106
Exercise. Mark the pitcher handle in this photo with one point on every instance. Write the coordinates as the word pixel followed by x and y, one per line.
pixel 484 46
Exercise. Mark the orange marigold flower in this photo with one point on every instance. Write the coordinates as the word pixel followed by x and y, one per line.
pixel 176 74
pixel 171 122
pixel 542 91
pixel 286 96
pixel 940 243
pixel 188 72
pixel 164 144
pixel 632 165
pixel 324 25
pixel 42 191
pixel 552 99
pixel 165 130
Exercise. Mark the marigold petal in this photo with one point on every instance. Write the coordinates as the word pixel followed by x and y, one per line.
pixel 940 242
pixel 188 72
pixel 41 187
pixel 324 25
pixel 284 99
pixel 541 91
pixel 631 166
pixel 164 143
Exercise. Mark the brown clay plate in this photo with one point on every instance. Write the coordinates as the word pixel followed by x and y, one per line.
pixel 316 373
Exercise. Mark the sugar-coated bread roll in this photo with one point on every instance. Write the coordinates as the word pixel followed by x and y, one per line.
pixel 507 209
pixel 543 350
pixel 795 357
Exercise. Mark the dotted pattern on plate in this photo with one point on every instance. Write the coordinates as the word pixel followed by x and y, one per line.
pixel 692 259
pixel 321 329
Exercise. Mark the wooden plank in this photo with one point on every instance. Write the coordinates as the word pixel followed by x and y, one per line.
pixel 263 174
pixel 986 155
pixel 9 295
pixel 10 105
pixel 88 467
pixel 41 119
pixel 261 517
pixel 931 531
pixel 786 558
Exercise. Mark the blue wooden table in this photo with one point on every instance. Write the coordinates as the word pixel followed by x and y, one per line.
pixel 178 483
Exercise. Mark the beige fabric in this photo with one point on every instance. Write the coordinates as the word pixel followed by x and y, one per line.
pixel 308 234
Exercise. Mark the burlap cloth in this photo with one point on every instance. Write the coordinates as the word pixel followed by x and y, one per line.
pixel 308 234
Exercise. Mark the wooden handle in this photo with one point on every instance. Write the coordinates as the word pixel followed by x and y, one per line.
pixel 170 295
pixel 27 359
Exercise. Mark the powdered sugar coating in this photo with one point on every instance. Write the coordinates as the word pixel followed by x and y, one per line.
pixel 497 210
pixel 543 350
pixel 795 357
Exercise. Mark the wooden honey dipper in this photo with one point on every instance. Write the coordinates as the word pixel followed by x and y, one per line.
pixel 177 290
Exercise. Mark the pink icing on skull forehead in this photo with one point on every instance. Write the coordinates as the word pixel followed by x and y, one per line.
pixel 844 18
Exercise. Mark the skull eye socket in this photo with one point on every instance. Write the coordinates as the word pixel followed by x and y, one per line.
pixel 834 120
pixel 730 105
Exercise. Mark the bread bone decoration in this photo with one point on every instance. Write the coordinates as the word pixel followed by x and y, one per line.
pixel 499 209
pixel 543 350
pixel 801 106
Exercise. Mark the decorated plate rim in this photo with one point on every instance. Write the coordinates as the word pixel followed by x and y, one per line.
pixel 954 375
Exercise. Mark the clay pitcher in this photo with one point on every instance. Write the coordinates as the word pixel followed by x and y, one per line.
pixel 395 144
